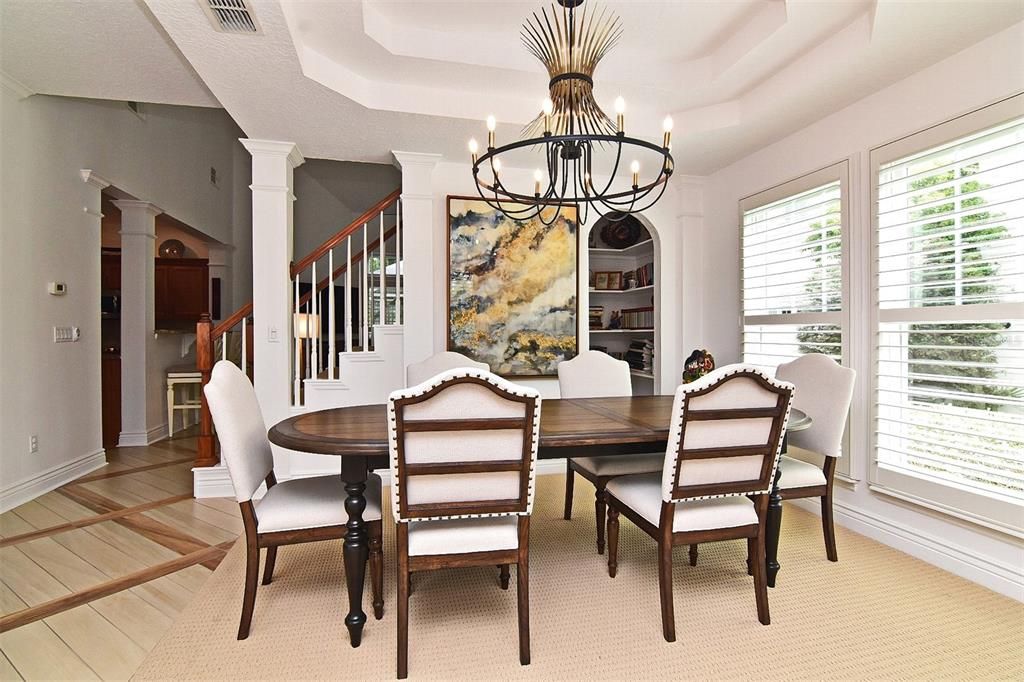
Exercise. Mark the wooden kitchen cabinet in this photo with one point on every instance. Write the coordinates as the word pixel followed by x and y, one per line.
pixel 182 291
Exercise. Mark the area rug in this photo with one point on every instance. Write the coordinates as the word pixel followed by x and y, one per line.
pixel 876 614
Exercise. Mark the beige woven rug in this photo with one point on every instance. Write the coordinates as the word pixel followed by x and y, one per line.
pixel 877 613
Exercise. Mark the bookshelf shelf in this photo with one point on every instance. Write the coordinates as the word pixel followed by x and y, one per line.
pixel 649 287
pixel 642 375
pixel 635 250
pixel 621 331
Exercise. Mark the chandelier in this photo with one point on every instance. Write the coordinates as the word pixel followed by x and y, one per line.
pixel 572 129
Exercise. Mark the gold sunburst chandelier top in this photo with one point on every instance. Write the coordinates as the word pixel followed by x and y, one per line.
pixel 571 127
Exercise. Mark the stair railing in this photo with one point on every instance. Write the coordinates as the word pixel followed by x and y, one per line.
pixel 369 257
pixel 362 265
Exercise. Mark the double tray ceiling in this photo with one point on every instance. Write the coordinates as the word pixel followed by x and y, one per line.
pixel 354 80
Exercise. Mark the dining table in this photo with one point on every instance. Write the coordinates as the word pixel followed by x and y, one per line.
pixel 569 427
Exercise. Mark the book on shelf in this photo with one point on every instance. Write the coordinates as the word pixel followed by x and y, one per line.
pixel 643 276
pixel 640 355
pixel 596 315
pixel 638 318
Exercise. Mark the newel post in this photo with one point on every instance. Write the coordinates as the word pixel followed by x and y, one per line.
pixel 207 452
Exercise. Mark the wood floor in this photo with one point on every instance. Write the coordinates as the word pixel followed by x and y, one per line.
pixel 94 573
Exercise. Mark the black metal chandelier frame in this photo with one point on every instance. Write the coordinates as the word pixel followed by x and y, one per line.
pixel 569 157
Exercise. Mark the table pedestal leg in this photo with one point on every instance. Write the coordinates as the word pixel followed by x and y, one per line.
pixel 353 473
pixel 773 526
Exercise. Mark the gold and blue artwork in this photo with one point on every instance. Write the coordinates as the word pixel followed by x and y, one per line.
pixel 512 287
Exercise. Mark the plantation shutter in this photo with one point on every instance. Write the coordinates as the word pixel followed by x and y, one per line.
pixel 949 371
pixel 793 271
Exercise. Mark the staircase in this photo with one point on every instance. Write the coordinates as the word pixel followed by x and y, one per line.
pixel 346 334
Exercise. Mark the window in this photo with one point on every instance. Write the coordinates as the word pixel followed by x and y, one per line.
pixel 949 289
pixel 792 269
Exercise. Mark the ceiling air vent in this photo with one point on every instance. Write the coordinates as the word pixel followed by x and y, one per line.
pixel 231 16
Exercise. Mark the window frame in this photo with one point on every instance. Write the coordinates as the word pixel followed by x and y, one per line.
pixel 836 172
pixel 931 492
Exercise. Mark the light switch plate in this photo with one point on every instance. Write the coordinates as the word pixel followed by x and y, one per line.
pixel 66 334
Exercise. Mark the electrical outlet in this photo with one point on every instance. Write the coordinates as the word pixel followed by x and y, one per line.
pixel 33 443
pixel 272 336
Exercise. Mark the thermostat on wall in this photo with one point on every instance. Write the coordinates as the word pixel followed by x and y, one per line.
pixel 57 288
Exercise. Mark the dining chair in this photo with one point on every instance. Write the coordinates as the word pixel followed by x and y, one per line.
pixel 291 512
pixel 824 393
pixel 418 372
pixel 463 455
pixel 724 443
pixel 593 374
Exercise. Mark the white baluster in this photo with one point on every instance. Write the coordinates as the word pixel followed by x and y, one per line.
pixel 382 294
pixel 364 291
pixel 224 344
pixel 398 262
pixel 245 364
pixel 348 295
pixel 297 400
pixel 330 312
pixel 314 331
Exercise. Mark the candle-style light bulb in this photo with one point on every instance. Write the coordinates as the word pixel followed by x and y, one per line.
pixel 537 177
pixel 667 127
pixel 620 111
pixel 492 123
pixel 547 106
pixel 473 148
pixel 635 167
pixel 496 165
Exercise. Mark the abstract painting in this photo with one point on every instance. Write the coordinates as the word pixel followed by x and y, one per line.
pixel 512 287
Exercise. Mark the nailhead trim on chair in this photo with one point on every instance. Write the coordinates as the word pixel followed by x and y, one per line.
pixel 434 382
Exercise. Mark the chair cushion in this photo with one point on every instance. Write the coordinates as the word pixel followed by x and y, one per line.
pixel 457 536
pixel 620 465
pixel 642 494
pixel 797 473
pixel 312 503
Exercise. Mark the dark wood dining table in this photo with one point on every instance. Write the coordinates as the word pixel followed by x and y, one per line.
pixel 570 427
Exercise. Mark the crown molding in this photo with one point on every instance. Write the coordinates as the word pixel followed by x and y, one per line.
pixel 91 177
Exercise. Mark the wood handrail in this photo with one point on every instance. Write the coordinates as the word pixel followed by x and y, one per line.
pixel 338 271
pixel 366 216
pixel 230 322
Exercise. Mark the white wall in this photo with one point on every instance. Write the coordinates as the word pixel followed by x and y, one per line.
pixel 676 220
pixel 984 73
pixel 53 390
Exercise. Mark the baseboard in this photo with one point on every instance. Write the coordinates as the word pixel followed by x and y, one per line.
pixel 140 439
pixel 1005 579
pixel 30 488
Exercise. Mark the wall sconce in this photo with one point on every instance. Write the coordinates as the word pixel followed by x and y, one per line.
pixel 306 326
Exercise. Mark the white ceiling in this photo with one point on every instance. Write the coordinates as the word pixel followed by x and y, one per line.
pixel 354 80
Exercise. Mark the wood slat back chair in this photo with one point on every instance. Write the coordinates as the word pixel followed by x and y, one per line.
pixel 593 374
pixel 291 512
pixel 724 443
pixel 418 372
pixel 463 465
pixel 824 392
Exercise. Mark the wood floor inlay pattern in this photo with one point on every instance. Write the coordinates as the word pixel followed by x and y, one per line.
pixel 93 574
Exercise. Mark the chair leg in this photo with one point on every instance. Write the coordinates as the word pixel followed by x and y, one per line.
pixel 600 506
pixel 828 527
pixel 755 548
pixel 252 575
pixel 570 479
pixel 668 617
pixel 693 554
pixel 613 540
pixel 377 569
pixel 403 604
pixel 523 597
pixel 268 567
pixel 504 576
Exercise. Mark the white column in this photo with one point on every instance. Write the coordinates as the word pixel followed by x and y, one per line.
pixel 273 165
pixel 138 321
pixel 220 260
pixel 421 241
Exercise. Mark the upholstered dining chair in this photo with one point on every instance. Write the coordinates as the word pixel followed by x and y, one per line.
pixel 291 512
pixel 593 374
pixel 724 442
pixel 824 391
pixel 418 372
pixel 463 455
